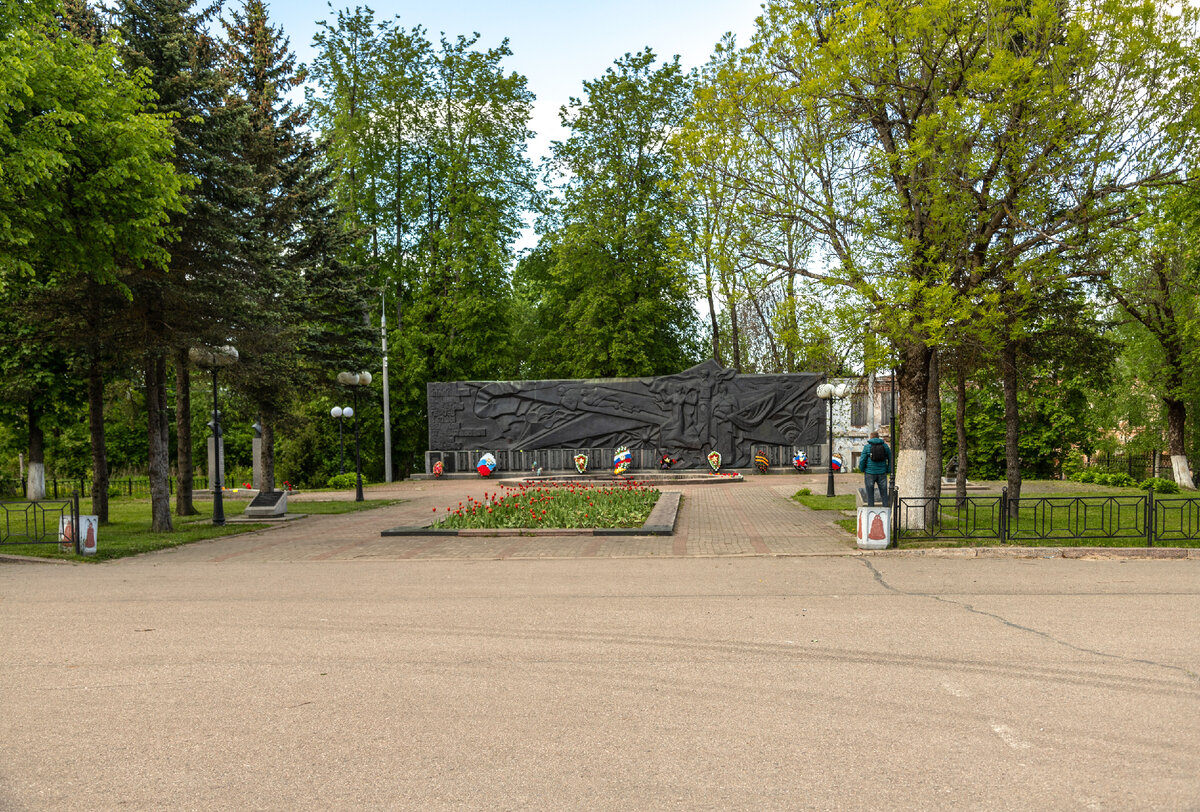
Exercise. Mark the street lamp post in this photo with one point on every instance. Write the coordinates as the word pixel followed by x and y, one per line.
pixel 828 391
pixel 340 413
pixel 355 380
pixel 214 358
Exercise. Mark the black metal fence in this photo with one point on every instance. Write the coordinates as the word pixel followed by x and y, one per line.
pixel 1139 465
pixel 1033 520
pixel 139 486
pixel 38 522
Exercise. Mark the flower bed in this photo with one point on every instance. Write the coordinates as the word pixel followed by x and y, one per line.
pixel 567 504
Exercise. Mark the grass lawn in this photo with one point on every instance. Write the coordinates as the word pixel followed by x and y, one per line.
pixel 1177 514
pixel 811 500
pixel 566 504
pixel 338 506
pixel 128 531
pixel 1050 509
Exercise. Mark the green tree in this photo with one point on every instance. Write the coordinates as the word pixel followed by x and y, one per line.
pixel 88 192
pixel 1156 282
pixel 195 302
pixel 279 156
pixel 617 300
pixel 955 161
pixel 427 146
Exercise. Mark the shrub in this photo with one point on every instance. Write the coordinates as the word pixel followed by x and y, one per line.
pixel 1119 479
pixel 1160 485
pixel 804 492
pixel 1086 475
pixel 343 482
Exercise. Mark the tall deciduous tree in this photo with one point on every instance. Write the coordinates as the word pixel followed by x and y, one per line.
pixel 88 190
pixel 427 145
pixel 956 160
pixel 618 300
pixel 1157 283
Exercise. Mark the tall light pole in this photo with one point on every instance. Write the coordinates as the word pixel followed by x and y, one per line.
pixel 214 358
pixel 338 413
pixel 355 380
pixel 828 391
pixel 387 414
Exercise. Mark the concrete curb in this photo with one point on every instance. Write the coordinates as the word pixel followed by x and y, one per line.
pixel 660 522
pixel 1084 553
pixel 6 558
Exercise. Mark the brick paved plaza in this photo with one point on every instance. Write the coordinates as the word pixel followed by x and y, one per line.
pixel 752 517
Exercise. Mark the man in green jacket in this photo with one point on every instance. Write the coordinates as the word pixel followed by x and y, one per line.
pixel 876 464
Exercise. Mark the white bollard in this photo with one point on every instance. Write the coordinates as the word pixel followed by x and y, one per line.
pixel 874 528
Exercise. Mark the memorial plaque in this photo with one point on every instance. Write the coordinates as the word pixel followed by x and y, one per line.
pixel 267 504
pixel 705 408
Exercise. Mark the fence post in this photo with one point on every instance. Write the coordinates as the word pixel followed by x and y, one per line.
pixel 895 499
pixel 1003 516
pixel 75 523
pixel 55 481
pixel 1151 518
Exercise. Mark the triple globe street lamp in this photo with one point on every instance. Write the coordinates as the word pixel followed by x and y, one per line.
pixel 829 391
pixel 340 413
pixel 214 358
pixel 355 381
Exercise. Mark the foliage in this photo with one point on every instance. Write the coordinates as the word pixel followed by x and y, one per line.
pixel 427 149
pixel 608 283
pixel 1159 484
pixel 622 504
pixel 341 482
pixel 87 187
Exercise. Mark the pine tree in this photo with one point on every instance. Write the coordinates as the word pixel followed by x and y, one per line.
pixel 279 156
pixel 195 302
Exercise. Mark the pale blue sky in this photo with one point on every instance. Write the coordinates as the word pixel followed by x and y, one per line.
pixel 556 45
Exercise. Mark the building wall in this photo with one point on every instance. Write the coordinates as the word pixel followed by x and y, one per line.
pixel 853 422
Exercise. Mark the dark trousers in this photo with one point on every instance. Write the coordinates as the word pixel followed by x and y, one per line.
pixel 871 480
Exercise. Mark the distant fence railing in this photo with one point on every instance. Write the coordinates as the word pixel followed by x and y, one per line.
pixel 1138 465
pixel 60 488
pixel 37 522
pixel 1031 520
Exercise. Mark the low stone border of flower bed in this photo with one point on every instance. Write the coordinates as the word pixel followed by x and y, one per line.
pixel 660 522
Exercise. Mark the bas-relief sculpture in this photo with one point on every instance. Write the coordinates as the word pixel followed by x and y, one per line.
pixel 707 407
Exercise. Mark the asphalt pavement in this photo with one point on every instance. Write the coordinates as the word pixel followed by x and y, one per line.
pixel 309 668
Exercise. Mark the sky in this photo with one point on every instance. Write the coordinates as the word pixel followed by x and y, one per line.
pixel 555 45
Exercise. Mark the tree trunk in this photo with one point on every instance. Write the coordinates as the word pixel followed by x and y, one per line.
pixel 735 335
pixel 911 439
pixel 99 450
pixel 960 427
pixel 159 462
pixel 1012 425
pixel 35 488
pixel 712 318
pixel 1176 421
pixel 183 435
pixel 933 435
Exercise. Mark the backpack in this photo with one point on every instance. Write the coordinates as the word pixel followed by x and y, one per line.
pixel 879 452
